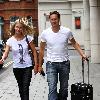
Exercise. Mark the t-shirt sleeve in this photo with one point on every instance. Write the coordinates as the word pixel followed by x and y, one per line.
pixel 9 42
pixel 70 34
pixel 30 38
pixel 42 37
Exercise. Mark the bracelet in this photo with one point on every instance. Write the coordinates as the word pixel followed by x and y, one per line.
pixel 37 65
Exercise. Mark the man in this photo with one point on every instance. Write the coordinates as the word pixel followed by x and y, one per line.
pixel 56 39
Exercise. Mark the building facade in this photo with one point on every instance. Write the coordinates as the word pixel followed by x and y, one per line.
pixel 81 16
pixel 71 15
pixel 10 10
pixel 92 29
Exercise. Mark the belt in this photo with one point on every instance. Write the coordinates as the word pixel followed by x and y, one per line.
pixel 58 62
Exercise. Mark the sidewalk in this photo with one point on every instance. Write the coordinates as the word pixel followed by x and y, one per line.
pixel 39 86
pixel 76 75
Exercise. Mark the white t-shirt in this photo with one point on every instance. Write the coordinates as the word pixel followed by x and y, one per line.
pixel 20 53
pixel 57 44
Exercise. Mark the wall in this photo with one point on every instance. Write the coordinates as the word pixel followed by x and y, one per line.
pixel 68 11
pixel 77 11
pixel 18 8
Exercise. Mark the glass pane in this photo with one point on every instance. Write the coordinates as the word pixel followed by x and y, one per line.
pixel 1 20
pixel 2 0
pixel 14 0
pixel 13 18
pixel 77 23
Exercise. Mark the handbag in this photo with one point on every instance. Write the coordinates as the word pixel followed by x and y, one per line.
pixel 30 52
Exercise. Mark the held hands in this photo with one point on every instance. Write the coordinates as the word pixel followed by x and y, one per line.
pixel 38 69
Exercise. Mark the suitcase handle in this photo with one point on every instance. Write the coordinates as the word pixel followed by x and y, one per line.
pixel 83 68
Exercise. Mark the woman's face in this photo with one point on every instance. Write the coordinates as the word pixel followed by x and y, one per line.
pixel 18 28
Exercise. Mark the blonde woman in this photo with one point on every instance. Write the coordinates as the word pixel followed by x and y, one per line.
pixel 22 63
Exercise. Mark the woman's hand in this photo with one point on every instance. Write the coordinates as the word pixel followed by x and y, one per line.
pixel 40 69
pixel 1 61
pixel 36 69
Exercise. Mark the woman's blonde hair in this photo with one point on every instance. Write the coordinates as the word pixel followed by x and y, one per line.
pixel 26 28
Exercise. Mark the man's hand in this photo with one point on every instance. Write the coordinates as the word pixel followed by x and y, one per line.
pixel 40 70
pixel 84 57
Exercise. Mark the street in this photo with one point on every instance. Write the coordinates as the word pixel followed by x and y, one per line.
pixel 39 86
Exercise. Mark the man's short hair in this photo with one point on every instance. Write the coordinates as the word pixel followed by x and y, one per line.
pixel 54 12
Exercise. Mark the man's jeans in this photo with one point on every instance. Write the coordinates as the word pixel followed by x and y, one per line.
pixel 52 70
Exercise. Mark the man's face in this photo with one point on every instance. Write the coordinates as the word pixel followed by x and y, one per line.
pixel 54 20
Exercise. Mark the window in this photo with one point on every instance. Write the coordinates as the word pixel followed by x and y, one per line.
pixel 13 19
pixel 14 0
pixel 1 20
pixel 77 22
pixel 30 21
pixel 29 0
pixel 2 1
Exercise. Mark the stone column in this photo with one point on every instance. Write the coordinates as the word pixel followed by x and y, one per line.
pixel 95 30
pixel 87 27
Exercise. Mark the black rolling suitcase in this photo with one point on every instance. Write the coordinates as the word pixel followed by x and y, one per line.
pixel 81 90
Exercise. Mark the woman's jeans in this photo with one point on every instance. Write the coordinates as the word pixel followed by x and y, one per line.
pixel 23 77
pixel 52 70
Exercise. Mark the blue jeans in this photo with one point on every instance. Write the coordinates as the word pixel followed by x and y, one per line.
pixel 52 70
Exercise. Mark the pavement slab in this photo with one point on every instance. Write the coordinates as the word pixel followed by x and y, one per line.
pixel 39 86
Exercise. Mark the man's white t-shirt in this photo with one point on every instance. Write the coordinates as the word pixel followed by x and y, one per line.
pixel 20 53
pixel 57 43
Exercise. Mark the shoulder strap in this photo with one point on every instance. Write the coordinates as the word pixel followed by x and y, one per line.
pixel 27 39
pixel 27 42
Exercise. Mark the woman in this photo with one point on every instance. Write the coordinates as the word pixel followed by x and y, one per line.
pixel 22 63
